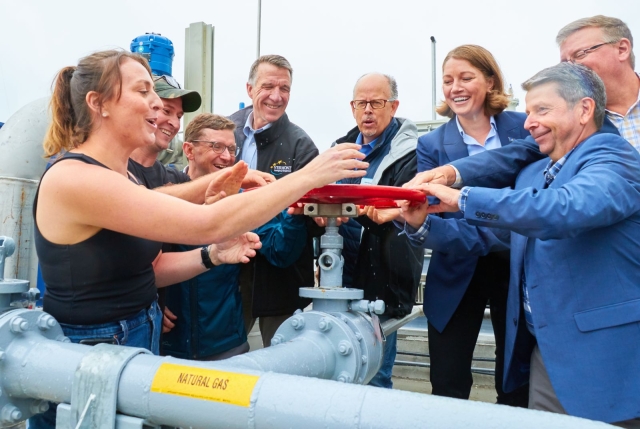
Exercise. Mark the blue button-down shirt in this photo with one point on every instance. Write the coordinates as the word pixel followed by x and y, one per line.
pixel 249 149
pixel 473 148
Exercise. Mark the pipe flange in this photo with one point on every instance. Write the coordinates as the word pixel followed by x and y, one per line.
pixel 370 350
pixel 333 329
pixel 331 293
pixel 15 324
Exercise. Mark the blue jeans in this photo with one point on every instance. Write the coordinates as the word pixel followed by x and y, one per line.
pixel 141 330
pixel 383 377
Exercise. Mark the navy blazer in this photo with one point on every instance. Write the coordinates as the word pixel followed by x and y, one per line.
pixel 577 243
pixel 499 168
pixel 456 244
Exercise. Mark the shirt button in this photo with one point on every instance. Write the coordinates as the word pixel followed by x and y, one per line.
pixel 515 322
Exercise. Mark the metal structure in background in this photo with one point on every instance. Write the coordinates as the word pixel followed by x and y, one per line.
pixel 433 78
pixel 198 66
pixel 21 165
pixel 259 32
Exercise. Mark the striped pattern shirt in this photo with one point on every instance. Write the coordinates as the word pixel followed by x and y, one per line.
pixel 629 124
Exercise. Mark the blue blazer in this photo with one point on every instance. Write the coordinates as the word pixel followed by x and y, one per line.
pixel 499 168
pixel 456 244
pixel 578 244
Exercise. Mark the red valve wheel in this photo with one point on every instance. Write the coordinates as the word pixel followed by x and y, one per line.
pixel 381 197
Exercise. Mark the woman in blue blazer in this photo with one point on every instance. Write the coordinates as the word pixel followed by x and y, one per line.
pixel 465 271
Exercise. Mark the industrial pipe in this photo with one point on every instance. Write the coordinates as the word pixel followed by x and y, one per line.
pixel 175 392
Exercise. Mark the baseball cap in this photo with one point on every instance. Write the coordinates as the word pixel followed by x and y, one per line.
pixel 167 87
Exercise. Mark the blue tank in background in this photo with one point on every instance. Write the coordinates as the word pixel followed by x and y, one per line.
pixel 157 49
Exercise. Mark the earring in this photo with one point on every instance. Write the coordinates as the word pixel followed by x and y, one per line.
pixel 105 114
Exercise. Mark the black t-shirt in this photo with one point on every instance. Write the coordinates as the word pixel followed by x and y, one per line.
pixel 157 175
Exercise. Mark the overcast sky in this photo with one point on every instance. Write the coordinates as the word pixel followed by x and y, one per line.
pixel 329 43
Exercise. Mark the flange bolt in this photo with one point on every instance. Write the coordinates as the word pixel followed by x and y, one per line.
pixel 11 414
pixel 39 406
pixel 297 322
pixel 344 348
pixel 46 321
pixel 277 339
pixel 324 325
pixel 18 325
pixel 344 377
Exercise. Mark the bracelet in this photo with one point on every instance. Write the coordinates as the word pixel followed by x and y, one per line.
pixel 206 260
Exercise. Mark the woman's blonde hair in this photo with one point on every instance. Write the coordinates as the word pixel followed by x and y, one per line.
pixel 497 99
pixel 71 118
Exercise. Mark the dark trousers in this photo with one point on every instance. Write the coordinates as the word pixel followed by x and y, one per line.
pixel 451 351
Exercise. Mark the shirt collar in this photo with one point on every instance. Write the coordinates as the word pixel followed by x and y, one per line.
pixel 609 112
pixel 377 139
pixel 492 121
pixel 248 126
pixel 553 168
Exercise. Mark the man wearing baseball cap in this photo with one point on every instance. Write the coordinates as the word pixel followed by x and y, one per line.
pixel 143 163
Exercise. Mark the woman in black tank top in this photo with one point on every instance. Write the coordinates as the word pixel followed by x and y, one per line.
pixel 98 234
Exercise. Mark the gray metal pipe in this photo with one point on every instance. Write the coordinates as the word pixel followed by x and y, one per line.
pixel 175 392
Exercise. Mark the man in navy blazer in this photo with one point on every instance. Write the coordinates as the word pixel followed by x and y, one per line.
pixel 574 298
pixel 605 45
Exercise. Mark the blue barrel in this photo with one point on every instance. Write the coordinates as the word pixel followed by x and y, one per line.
pixel 157 49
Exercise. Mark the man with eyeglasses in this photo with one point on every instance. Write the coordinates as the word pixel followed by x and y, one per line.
pixel 269 142
pixel 206 319
pixel 605 45
pixel 377 259
pixel 149 172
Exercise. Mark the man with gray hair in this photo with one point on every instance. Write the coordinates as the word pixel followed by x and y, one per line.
pixel 270 143
pixel 605 45
pixel 377 260
pixel 574 294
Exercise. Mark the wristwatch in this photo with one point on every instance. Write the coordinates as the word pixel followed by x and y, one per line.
pixel 206 260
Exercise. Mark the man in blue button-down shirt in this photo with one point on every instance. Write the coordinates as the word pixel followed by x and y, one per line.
pixel 269 142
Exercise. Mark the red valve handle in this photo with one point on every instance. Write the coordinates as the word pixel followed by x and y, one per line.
pixel 364 195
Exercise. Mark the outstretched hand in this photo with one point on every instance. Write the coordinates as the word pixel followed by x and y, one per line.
pixel 380 216
pixel 448 197
pixel 226 182
pixel 443 175
pixel 339 162
pixel 237 250
pixel 255 178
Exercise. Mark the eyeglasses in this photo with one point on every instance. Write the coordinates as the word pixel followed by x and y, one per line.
pixel 218 147
pixel 170 80
pixel 584 52
pixel 375 104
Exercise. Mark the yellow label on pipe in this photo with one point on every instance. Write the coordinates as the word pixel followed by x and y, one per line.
pixel 208 384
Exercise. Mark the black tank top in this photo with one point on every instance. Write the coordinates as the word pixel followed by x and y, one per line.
pixel 105 278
